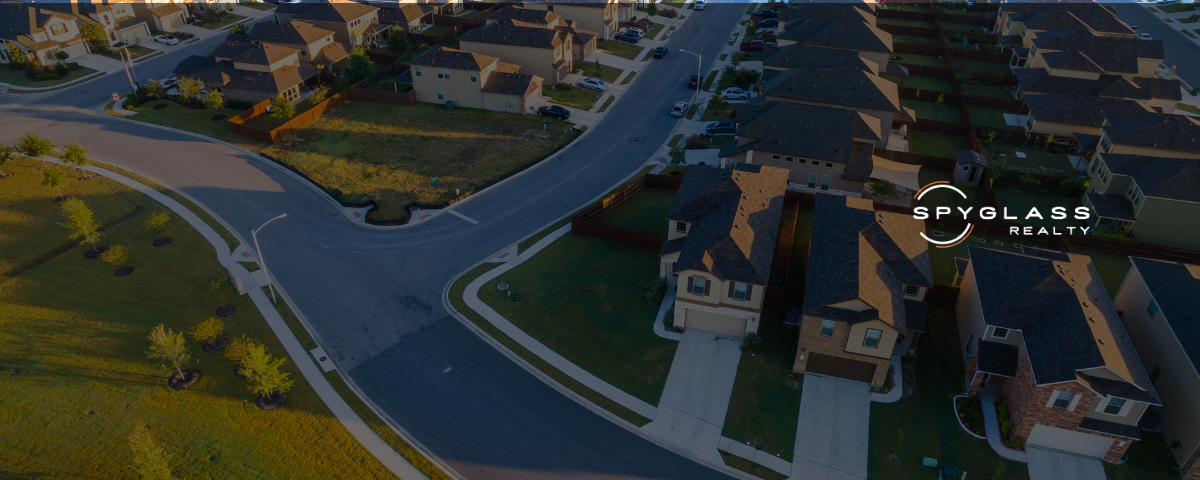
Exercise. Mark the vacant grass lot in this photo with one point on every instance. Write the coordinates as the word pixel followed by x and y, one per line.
pixel 198 121
pixel 18 78
pixel 936 144
pixel 945 112
pixel 930 84
pixel 389 153
pixel 619 48
pixel 645 212
pixel 583 297
pixel 77 335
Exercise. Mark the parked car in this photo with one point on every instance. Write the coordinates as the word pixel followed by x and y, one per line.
pixel 167 39
pixel 766 13
pixel 1145 36
pixel 593 84
pixel 735 93
pixel 1134 28
pixel 679 109
pixel 693 81
pixel 768 23
pixel 754 46
pixel 699 5
pixel 723 126
pixel 554 111
pixel 629 37
pixel 660 52
pixel 636 31
pixel 169 81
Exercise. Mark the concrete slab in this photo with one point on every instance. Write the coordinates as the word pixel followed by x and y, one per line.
pixel 831 435
pixel 690 434
pixel 1051 465
pixel 691 411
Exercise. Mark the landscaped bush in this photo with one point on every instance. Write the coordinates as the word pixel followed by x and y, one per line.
pixel 238 104
pixel 46 76
pixel 669 319
pixel 656 290
pixel 1030 184
pixel 669 13
pixel 1073 187
pixel 751 341
pixel 696 141
pixel 564 86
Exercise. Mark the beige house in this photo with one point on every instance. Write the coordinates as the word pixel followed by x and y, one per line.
pixel 864 295
pixel 600 16
pixel 545 52
pixel 722 229
pixel 352 23
pixel 1069 115
pixel 118 20
pixel 162 16
pixel 1155 199
pixel 473 80
pixel 1022 22
pixel 1158 302
pixel 857 90
pixel 1039 327
pixel 250 72
pixel 39 33
pixel 1157 93
pixel 1079 54
pixel 410 17
pixel 316 45
pixel 583 42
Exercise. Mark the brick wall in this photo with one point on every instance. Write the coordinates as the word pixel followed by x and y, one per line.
pixel 1191 468
pixel 972 378
pixel 811 341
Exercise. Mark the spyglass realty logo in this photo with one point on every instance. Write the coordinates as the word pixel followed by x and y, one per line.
pixel 991 213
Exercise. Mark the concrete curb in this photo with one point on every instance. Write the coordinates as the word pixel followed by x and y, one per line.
pixel 954 405
pixel 77 82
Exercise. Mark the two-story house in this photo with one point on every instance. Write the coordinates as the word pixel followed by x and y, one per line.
pixel 1019 24
pixel 540 49
pixel 600 16
pixel 1159 302
pixel 316 45
pixel 722 228
pixel 118 20
pixel 39 33
pixel 162 15
pixel 469 79
pixel 410 17
pixel 1079 54
pixel 352 23
pixel 1155 199
pixel 250 72
pixel 1069 115
pixel 583 41
pixel 1158 93
pixel 864 293
pixel 857 90
pixel 841 27
pixel 1040 326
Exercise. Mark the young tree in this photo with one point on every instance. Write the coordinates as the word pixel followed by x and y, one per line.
pixel 881 187
pixel 282 108
pixel 115 255
pixel 319 95
pixel 169 347
pixel 263 368
pixel 189 87
pixel 238 348
pixel 1049 140
pixel 75 155
pixel 81 221
pixel 153 89
pixel 238 29
pixel 52 178
pixel 7 153
pixel 358 66
pixel 33 145
pixel 214 100
pixel 651 9
pixel 150 460
pixel 62 55
pixel 208 330
pixel 397 41
pixel 156 222
pixel 94 34
pixel 17 58
pixel 678 155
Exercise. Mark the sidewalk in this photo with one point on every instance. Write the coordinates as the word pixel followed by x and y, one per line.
pixel 991 426
pixel 312 374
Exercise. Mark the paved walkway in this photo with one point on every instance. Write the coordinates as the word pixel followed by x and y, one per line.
pixel 991 426
pixel 779 465
pixel 667 304
pixel 1051 465
pixel 831 435
pixel 897 380
pixel 363 433
pixel 692 409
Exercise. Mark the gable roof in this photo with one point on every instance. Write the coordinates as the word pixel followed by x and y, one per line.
pixel 860 254
pixel 1059 304
pixel 340 12
pixel 809 56
pixel 507 83
pixel 446 57
pixel 18 20
pixel 831 11
pixel 734 216
pixel 846 34
pixel 264 54
pixel 1160 130
pixel 1170 178
pixel 1093 53
pixel 969 157
pixel 823 133
pixel 1176 288
pixel 1058 16
pixel 505 32
pixel 528 16
pixel 211 71
pixel 854 88
pixel 1039 81
pixel 407 12
pixel 1085 110
pixel 295 32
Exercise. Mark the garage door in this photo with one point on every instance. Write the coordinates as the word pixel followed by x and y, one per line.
pixel 840 367
pixel 715 323
pixel 1069 441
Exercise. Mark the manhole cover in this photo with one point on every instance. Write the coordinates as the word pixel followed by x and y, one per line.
pixel 502 286
pixel 637 140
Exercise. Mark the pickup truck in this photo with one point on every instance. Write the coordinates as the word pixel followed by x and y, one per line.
pixel 753 46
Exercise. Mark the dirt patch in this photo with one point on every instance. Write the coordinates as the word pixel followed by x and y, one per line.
pixel 189 378
pixel 225 310
pixel 163 241
pixel 215 345
pixel 270 402
pixel 123 271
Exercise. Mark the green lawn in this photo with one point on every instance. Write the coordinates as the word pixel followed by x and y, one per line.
pixel 708 81
pixel 990 117
pixel 1112 269
pixel 573 96
pixel 930 84
pixel 942 259
pixel 798 266
pixel 1178 8
pixel 436 30
pixel 764 408
pixel 751 467
pixel 988 90
pixel 645 212
pixel 229 18
pixel 1188 108
pixel 1149 459
pixel 598 70
pixel 927 41
pixel 18 78
pixel 198 121
pixel 978 66
pixel 907 23
pixel 1020 202
pixel 927 418
pixel 77 334
pixel 936 144
pixel 714 114
pixel 596 317
pixel 258 5
pixel 607 103
pixel 926 60
pixel 1034 159
pixel 389 153
pixel 628 78
pixel 619 48
pixel 715 141
pixel 961 27
pixel 649 32
pixel 945 112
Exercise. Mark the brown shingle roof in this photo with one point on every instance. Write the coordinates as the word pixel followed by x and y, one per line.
pixel 295 32
pixel 508 83
pixel 505 32
pixel 446 57
pixel 853 88
pixel 325 12
pixel 264 54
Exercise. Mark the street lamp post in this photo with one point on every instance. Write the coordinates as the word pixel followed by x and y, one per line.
pixel 263 263
pixel 699 63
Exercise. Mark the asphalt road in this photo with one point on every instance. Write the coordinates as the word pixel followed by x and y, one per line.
pixel 375 297
pixel 1180 50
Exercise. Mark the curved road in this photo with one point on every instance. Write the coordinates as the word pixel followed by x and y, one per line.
pixel 375 296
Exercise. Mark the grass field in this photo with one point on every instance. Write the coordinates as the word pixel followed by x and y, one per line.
pixel 927 41
pixel 990 117
pixel 198 121
pixel 945 112
pixel 77 335
pixel 389 153
pixel 763 408
pixel 18 78
pixel 580 98
pixel 619 48
pixel 645 212
pixel 937 144
pixel 583 297
pixel 988 90
pixel 929 84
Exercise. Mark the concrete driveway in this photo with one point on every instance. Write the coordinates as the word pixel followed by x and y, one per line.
pixel 831 436
pixel 692 409
pixel 1051 465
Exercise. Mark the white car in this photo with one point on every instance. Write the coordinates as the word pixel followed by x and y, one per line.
pixel 593 84
pixel 636 31
pixel 679 109
pixel 699 5
pixel 1145 36
pixel 167 39
pixel 169 81
pixel 735 93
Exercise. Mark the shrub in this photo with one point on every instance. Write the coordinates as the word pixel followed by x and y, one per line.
pixel 1073 187
pixel 669 319
pixel 881 187
pixel 751 340
pixel 282 108
pixel 564 86
pixel 888 382
pixel 62 69
pixel 208 330
pixel 1030 184
pixel 156 221
pixel 669 13
pixel 656 290
pixel 115 255
pixel 214 100
pixel 238 104
pixel 318 95
pixel 737 58
pixel 696 141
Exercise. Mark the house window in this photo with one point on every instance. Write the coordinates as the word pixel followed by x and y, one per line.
pixel 912 290
pixel 698 285
pixel 58 29
pixel 789 159
pixel 1152 308
pixel 1135 194
pixel 1063 400
pixel 443 73
pixel 774 157
pixel 417 71
pixel 473 79
pixel 812 180
pixel 827 164
pixel 1029 122
pixel 824 182
pixel 681 227
pixel 1114 406
pixel 1106 144
pixel 965 168
pixel 740 290
pixel 827 327
pixel 1102 170
pixel 1000 332
pixel 439 92
pixel 872 339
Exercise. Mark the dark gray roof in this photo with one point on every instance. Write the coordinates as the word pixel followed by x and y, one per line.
pixel 340 12
pixel 1162 131
pixel 860 12
pixel 1116 388
pixel 446 57
pixel 1084 110
pixel 860 254
pixel 849 34
pixel 967 156
pixel 264 54
pixel 1111 428
pixel 505 32
pixel 210 71
pixel 231 48
pixel 407 12
pixel 294 33
pixel 1112 54
pixel 808 56
pixel 542 17
pixel 1062 16
pixel 998 358
pixel 734 216
pixel 508 83
pixel 1116 207
pixel 1176 288
pixel 854 88
pixel 671 246
pixel 1037 80
pixel 194 63
pixel 822 133
pixel 1087 142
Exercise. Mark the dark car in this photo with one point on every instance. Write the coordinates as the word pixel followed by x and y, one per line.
pixel 628 37
pixel 723 126
pixel 766 13
pixel 660 52
pixel 554 111
pixel 769 23
pixel 693 80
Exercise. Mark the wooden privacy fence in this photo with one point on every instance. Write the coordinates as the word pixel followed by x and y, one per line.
pixel 361 90
pixel 928 71
pixel 907 30
pixel 584 223
pixel 981 55
pixel 237 124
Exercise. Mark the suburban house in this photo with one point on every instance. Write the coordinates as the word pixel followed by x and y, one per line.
pixel 1080 54
pixel 583 41
pixel 39 33
pixel 857 90
pixel 1158 135
pixel 351 22
pixel 1154 198
pixel 250 72
pixel 473 80
pixel 435 7
pixel 1159 93
pixel 1159 302
pixel 316 45
pixel 411 17
pixel 1040 326
pixel 545 49
pixel 782 59
pixel 821 148
pixel 118 20
pixel 163 16
pixel 722 228
pixel 864 295
pixel 800 12
pixel 1068 115
pixel 600 16
pixel 1019 24
pixel 873 44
